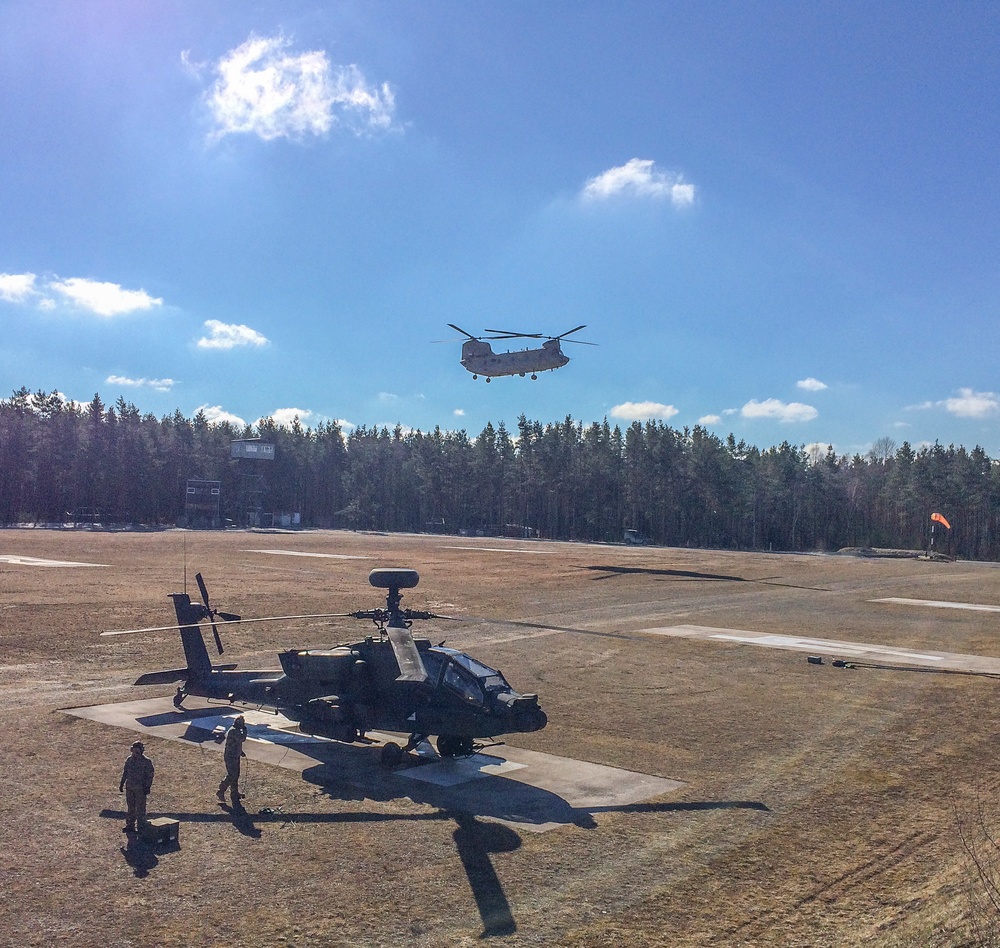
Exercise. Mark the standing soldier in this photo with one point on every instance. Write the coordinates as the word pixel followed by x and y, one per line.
pixel 234 751
pixel 136 782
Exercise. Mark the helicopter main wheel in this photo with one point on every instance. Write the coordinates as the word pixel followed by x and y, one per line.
pixel 450 745
pixel 392 754
pixel 533 375
pixel 488 379
pixel 474 377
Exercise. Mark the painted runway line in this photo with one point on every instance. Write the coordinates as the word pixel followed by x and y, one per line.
pixel 497 549
pixel 16 560
pixel 882 654
pixel 328 556
pixel 935 604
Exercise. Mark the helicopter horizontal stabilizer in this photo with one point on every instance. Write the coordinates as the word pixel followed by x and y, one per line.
pixel 163 677
pixel 175 674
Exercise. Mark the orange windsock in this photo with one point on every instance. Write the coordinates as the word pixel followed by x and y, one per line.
pixel 940 519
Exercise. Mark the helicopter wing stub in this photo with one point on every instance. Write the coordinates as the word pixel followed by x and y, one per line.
pixel 411 665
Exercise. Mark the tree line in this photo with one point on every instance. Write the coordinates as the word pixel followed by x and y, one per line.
pixel 562 480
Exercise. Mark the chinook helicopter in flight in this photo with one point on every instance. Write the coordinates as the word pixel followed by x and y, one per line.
pixel 388 681
pixel 479 358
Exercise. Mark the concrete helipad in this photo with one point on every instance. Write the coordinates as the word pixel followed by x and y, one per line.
pixel 833 648
pixel 526 789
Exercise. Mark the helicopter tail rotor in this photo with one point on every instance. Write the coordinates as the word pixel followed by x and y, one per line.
pixel 212 613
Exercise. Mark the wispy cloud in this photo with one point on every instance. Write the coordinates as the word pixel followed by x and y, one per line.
pixel 971 404
pixel 160 385
pixel 284 417
pixel 16 287
pixel 811 385
pixel 968 403
pixel 639 178
pixel 773 408
pixel 264 89
pixel 216 415
pixel 229 336
pixel 642 411
pixel 102 298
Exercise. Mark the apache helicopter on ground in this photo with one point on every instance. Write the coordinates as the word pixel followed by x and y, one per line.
pixel 390 682
pixel 479 358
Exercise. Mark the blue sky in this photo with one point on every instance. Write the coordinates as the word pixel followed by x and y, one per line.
pixel 778 220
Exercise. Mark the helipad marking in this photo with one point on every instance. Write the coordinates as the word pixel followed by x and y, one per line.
pixel 16 560
pixel 936 604
pixel 328 556
pixel 497 549
pixel 954 661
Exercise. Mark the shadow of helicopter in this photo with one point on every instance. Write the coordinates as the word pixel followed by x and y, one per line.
pixel 476 840
pixel 612 571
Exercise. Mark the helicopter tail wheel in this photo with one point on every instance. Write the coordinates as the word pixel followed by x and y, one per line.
pixel 450 745
pixel 488 379
pixel 392 754
pixel 533 375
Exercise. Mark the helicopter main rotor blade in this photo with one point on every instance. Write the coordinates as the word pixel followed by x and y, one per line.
pixel 569 332
pixel 174 628
pixel 507 334
pixel 411 665
pixel 462 331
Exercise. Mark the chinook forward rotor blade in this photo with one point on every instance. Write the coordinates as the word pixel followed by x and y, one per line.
pixel 462 331
pixel 507 334
pixel 579 342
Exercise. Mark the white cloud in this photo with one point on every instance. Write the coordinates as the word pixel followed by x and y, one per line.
pixel 970 404
pixel 229 336
pixel 709 420
pixel 284 417
pixel 459 412
pixel 811 385
pixel 16 287
pixel 104 299
pixel 772 408
pixel 638 177
pixel 264 90
pixel 641 411
pixel 387 398
pixel 216 416
pixel 160 385
pixel 816 450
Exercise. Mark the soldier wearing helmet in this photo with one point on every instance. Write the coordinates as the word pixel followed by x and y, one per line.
pixel 136 782
pixel 235 737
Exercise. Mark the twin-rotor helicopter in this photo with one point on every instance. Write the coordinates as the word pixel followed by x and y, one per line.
pixel 479 358
pixel 389 681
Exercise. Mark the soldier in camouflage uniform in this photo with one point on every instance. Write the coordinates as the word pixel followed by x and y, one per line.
pixel 136 782
pixel 235 737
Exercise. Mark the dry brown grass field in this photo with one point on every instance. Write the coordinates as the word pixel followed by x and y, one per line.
pixel 821 806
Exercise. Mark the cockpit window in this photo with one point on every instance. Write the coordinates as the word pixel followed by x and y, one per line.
pixel 464 684
pixel 490 678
